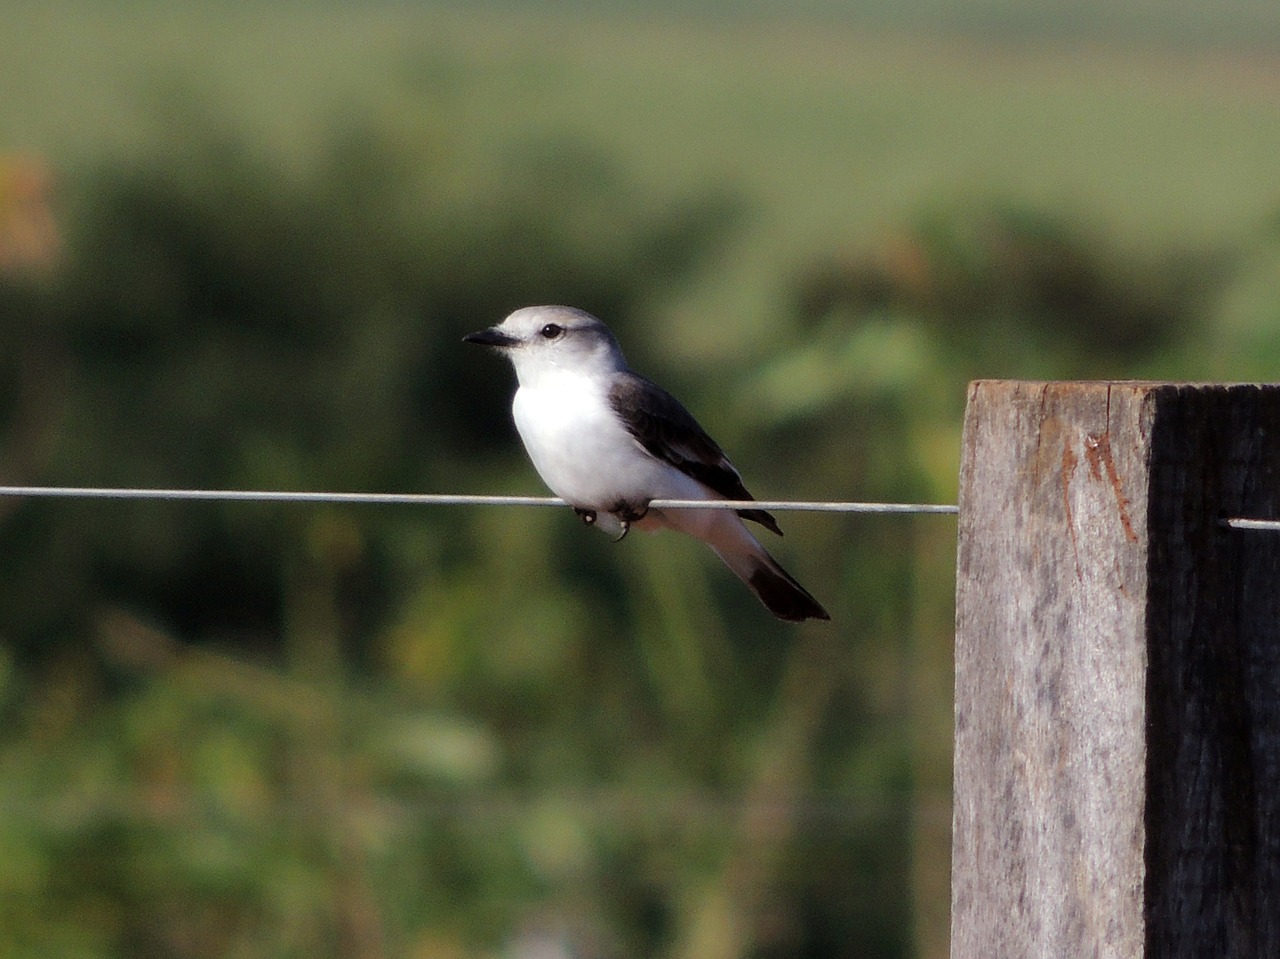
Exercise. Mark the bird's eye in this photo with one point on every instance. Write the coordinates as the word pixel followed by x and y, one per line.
pixel 551 331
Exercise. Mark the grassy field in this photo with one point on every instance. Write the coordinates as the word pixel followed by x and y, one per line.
pixel 838 138
pixel 833 133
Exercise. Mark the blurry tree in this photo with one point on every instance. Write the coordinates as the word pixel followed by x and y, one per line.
pixel 181 676
pixel 1008 283
pixel 223 323
pixel 261 730
pixel 895 332
pixel 220 322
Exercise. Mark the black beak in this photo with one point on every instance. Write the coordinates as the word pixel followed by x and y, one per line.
pixel 492 337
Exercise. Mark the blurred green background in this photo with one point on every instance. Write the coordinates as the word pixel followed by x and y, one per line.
pixel 238 247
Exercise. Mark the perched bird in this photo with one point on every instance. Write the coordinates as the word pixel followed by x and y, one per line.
pixel 608 442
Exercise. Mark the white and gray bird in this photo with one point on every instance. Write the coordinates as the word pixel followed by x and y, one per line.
pixel 608 441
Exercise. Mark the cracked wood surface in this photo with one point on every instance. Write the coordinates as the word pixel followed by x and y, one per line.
pixel 1117 757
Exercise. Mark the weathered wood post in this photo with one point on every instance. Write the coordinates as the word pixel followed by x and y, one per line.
pixel 1117 750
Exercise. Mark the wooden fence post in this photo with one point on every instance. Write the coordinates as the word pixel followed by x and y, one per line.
pixel 1117 742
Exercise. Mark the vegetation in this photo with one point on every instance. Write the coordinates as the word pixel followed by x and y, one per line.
pixel 257 730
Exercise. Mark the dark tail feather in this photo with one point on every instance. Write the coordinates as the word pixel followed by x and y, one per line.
pixel 752 564
pixel 779 591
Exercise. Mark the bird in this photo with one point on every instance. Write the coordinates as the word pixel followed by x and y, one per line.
pixel 608 442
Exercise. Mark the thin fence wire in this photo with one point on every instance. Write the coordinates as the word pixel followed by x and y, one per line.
pixel 448 499
pixel 474 499
pixel 1265 524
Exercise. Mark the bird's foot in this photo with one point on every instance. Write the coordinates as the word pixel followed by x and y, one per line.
pixel 628 514
pixel 611 523
pixel 615 520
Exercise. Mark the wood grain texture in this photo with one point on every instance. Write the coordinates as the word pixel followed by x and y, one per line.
pixel 1213 683
pixel 1117 754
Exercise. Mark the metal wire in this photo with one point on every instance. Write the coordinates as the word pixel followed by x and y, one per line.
pixel 447 499
pixel 471 499
pixel 1240 523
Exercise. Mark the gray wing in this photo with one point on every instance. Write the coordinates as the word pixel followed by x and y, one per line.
pixel 670 433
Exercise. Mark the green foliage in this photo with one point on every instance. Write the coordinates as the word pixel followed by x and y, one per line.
pixel 257 730
pixel 219 323
pixel 1014 289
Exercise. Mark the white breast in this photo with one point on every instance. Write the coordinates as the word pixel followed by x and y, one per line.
pixel 580 448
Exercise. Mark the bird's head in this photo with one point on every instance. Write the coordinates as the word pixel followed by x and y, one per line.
pixel 544 339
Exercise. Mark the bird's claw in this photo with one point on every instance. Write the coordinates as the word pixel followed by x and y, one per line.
pixel 622 515
pixel 590 517
pixel 626 515
pixel 630 514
